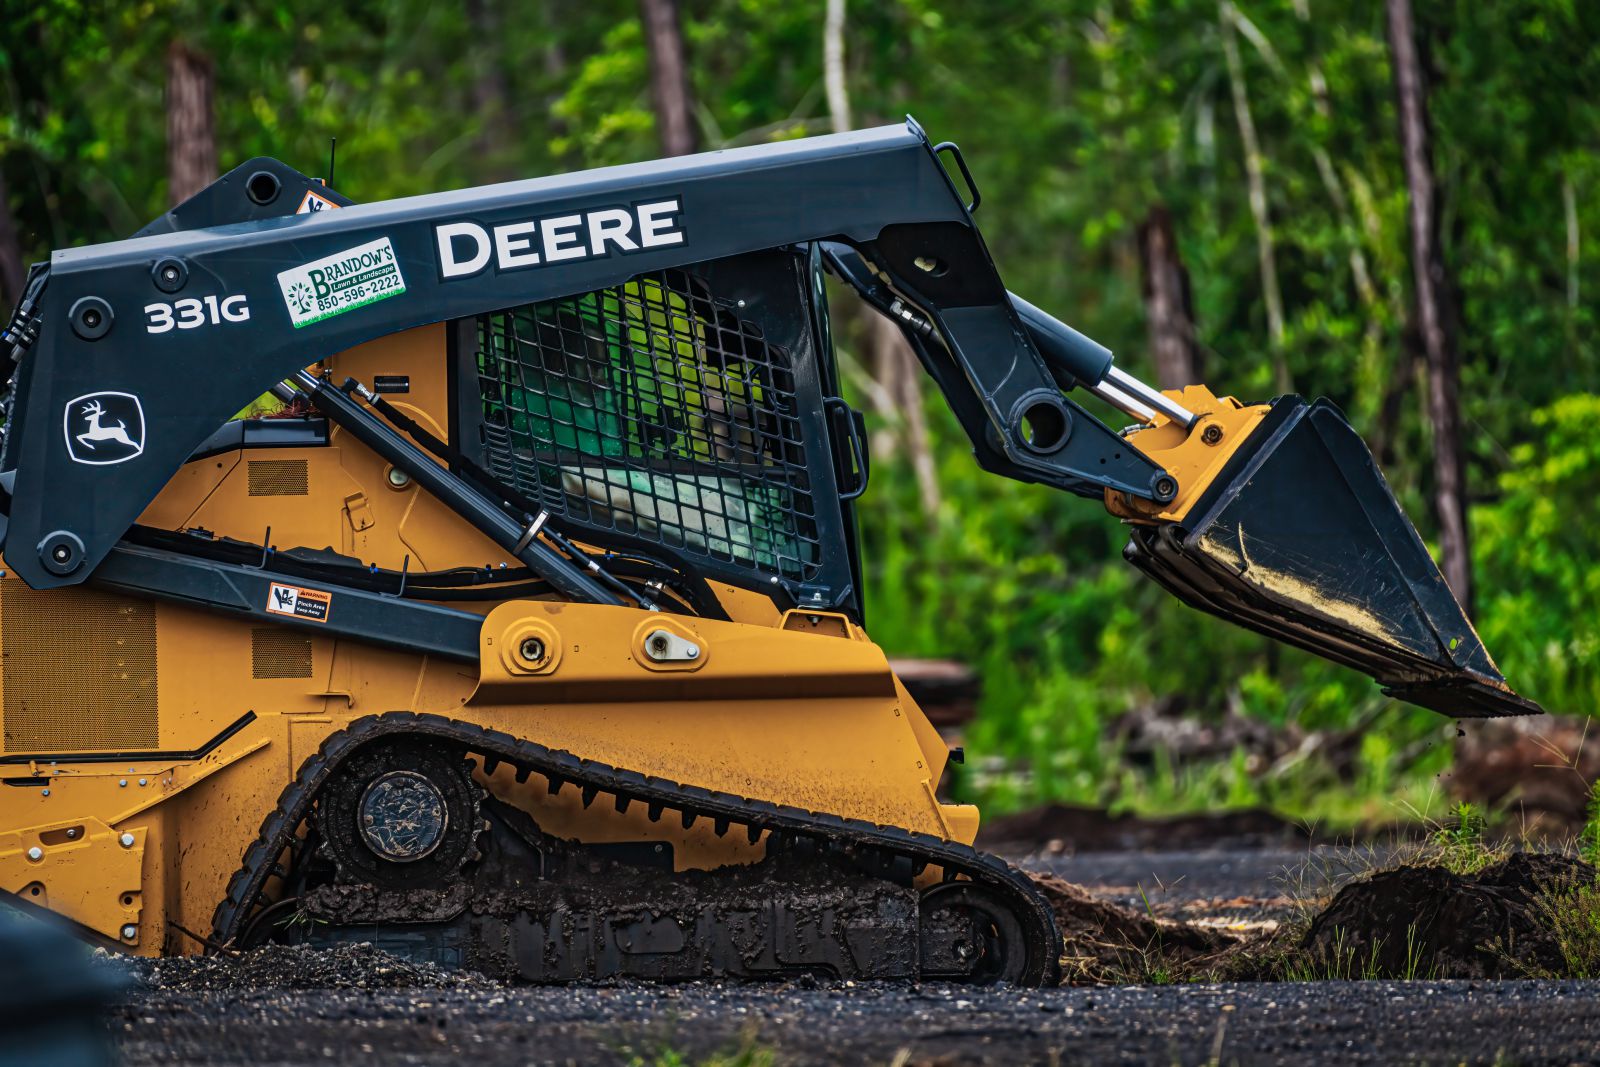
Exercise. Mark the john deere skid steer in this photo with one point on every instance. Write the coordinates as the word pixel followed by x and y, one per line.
pixel 518 624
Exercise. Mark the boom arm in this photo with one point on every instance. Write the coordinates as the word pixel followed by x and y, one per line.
pixel 109 328
pixel 1273 516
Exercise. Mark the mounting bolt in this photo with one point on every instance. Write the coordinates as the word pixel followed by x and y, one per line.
pixel 1211 434
pixel 1163 487
pixel 144 781
pixel 45 793
pixel 169 275
pixel 91 318
pixel 130 932
pixel 72 831
pixel 36 853
pixel 399 479
pixel 659 644
pixel 531 649
pixel 126 840
pixel 122 782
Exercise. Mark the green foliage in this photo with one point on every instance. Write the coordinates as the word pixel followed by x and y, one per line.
pixel 1571 912
pixel 1460 844
pixel 1589 840
pixel 748 1054
pixel 1536 555
pixel 1078 117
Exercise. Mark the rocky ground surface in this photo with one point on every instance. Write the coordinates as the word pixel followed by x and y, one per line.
pixel 295 1006
pixel 1343 1022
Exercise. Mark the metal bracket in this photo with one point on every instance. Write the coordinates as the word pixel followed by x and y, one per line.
pixel 664 646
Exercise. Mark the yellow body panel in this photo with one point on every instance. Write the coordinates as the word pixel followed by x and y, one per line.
pixel 1194 456
pixel 799 709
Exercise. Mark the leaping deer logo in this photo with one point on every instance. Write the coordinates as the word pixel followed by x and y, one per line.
pixel 96 432
pixel 103 428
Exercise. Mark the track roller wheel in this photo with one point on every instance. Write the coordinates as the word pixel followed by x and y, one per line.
pixel 969 935
pixel 400 813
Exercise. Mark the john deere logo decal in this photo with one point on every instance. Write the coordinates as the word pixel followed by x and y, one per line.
pixel 342 282
pixel 104 428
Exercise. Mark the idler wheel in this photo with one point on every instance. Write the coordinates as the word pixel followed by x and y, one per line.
pixel 969 935
pixel 401 814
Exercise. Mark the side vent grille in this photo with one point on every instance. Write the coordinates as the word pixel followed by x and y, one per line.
pixel 80 670
pixel 278 477
pixel 279 653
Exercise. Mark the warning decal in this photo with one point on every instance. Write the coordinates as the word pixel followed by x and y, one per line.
pixel 313 201
pixel 311 604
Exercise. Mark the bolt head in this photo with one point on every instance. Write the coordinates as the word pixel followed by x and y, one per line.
pixel 144 781
pixel 122 782
pixel 126 840
pixel 72 831
pixel 1211 434
pixel 45 793
pixel 36 853
pixel 531 649
pixel 130 932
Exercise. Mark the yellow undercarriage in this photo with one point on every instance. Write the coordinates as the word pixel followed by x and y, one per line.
pixel 137 844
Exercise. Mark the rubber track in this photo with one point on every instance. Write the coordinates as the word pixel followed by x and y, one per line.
pixel 294 805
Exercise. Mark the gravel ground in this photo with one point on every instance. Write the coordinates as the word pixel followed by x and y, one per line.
pixel 1233 886
pixel 1351 1023
pixel 293 1008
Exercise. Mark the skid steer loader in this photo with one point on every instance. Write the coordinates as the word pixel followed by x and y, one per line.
pixel 519 625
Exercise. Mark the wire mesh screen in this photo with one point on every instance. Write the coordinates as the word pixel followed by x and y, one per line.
pixel 654 410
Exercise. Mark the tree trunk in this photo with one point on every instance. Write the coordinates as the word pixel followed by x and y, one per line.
pixel 191 137
pixel 833 69
pixel 892 364
pixel 1435 305
pixel 1168 310
pixel 1255 175
pixel 12 273
pixel 669 76
pixel 490 99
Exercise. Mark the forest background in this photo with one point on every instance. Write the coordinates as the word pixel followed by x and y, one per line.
pixel 1390 203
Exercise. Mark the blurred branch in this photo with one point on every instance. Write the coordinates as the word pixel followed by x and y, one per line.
pixel 1255 174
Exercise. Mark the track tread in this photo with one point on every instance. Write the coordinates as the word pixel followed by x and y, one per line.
pixel 278 827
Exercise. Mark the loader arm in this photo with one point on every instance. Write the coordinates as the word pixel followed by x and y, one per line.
pixel 144 347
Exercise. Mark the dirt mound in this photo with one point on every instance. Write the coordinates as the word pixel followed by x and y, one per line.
pixel 1107 942
pixel 1063 827
pixel 1428 922
pixel 290 967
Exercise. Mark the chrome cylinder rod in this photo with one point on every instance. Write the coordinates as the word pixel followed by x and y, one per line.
pixel 1153 398
pixel 1123 402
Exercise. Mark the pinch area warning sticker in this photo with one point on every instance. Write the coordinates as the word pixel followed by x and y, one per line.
pixel 342 282
pixel 310 604
pixel 313 202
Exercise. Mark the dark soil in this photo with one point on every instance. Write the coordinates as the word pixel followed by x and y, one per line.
pixel 1066 828
pixel 1429 922
pixel 295 1006
pixel 298 967
pixel 805 1024
pixel 1106 942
